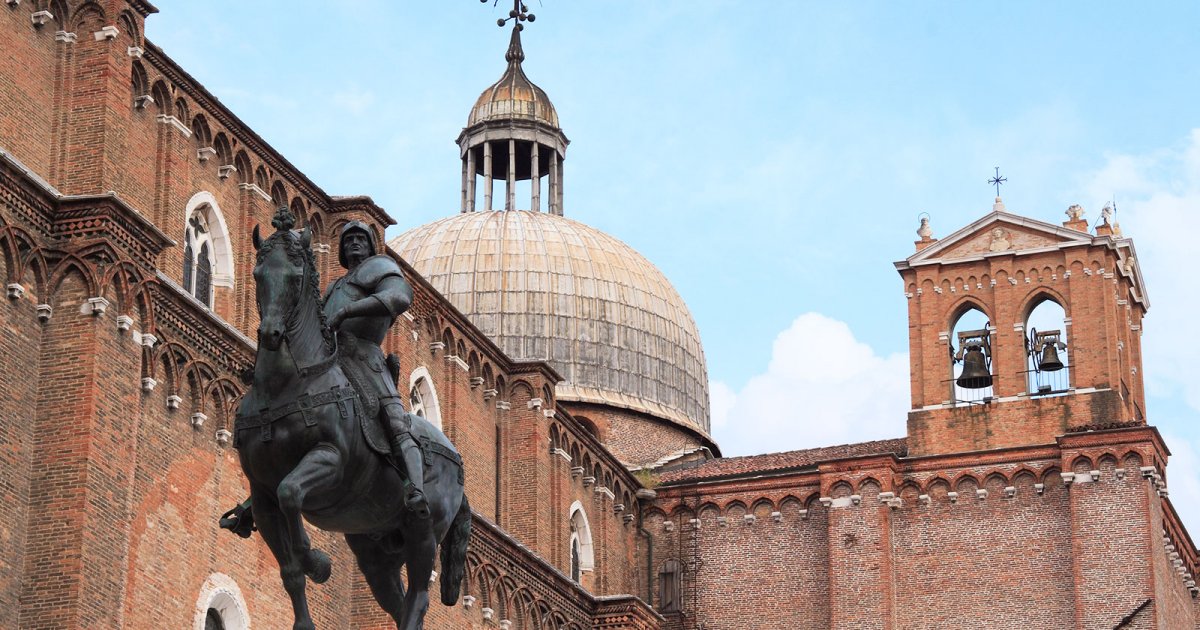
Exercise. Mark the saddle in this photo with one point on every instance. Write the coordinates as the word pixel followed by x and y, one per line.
pixel 368 403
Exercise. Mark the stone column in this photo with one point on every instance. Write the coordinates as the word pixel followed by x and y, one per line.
pixel 470 180
pixel 487 176
pixel 510 184
pixel 554 209
pixel 463 201
pixel 535 181
pixel 558 193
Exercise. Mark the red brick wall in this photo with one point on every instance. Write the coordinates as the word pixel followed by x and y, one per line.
pixel 1012 533
pixel 18 396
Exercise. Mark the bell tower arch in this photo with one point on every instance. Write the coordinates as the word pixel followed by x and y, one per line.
pixel 1021 331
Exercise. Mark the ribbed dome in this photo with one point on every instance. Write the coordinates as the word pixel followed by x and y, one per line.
pixel 514 96
pixel 545 287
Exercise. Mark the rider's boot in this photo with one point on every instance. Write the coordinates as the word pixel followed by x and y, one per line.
pixel 405 449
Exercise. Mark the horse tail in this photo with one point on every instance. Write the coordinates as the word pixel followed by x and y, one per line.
pixel 454 553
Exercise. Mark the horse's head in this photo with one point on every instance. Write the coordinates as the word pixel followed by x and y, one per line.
pixel 281 273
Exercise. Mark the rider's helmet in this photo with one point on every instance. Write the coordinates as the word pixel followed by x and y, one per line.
pixel 353 226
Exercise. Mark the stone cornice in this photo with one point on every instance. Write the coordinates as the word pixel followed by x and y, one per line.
pixel 189 321
pixel 34 198
pixel 110 218
pixel 809 473
pixel 143 7
pixel 361 203
pixel 526 567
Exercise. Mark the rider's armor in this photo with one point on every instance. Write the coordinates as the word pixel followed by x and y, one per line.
pixel 359 338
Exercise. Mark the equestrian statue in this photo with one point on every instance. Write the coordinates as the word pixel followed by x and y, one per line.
pixel 322 433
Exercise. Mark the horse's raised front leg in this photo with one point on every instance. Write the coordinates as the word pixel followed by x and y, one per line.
pixel 320 469
pixel 420 549
pixel 381 568
pixel 274 532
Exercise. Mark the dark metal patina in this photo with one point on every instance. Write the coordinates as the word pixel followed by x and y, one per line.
pixel 322 434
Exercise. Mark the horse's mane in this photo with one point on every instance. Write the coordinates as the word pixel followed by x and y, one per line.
pixel 298 254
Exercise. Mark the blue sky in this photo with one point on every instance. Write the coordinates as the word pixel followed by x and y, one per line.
pixel 770 157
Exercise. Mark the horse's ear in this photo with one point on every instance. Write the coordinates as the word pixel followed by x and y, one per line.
pixel 257 238
pixel 306 238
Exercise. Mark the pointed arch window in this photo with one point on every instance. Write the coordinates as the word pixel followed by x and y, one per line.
pixel 970 345
pixel 422 397
pixel 197 259
pixel 582 553
pixel 1047 363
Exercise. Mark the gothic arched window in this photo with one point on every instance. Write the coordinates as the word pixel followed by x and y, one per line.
pixel 582 554
pixel 422 397
pixel 197 261
pixel 207 253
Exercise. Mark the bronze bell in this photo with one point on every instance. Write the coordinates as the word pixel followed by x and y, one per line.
pixel 975 373
pixel 1050 361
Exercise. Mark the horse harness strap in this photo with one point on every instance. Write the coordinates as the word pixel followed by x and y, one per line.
pixel 320 367
pixel 433 447
pixel 343 397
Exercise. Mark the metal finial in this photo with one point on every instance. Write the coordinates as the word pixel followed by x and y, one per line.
pixel 997 180
pixel 520 13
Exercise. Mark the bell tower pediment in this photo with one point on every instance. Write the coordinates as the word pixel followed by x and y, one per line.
pixel 996 234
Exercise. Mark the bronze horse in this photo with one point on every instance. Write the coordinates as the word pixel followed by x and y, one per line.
pixel 302 448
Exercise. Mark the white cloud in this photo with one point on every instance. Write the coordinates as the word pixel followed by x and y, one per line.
pixel 821 387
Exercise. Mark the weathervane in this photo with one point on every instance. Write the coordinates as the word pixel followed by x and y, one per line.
pixel 997 180
pixel 520 13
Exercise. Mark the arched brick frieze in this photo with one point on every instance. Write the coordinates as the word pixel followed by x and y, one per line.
pixel 241 162
pixel 995 483
pixel 128 25
pixel 708 511
pixel 261 179
pixel 909 491
pixel 72 265
pixel 938 488
pixel 1051 477
pixel 1107 462
pixel 1082 464
pixel 87 19
pixel 1132 460
pixel 279 196
pixel 841 489
pixel 201 134
pixel 762 507
pixel 965 485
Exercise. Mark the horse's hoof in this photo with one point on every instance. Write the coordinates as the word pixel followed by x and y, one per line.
pixel 317 566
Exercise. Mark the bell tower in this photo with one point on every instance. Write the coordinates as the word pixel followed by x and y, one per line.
pixel 1021 331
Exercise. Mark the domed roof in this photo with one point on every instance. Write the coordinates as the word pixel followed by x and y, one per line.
pixel 514 96
pixel 545 287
